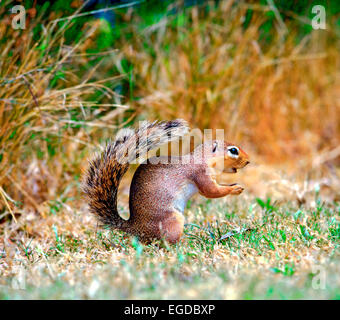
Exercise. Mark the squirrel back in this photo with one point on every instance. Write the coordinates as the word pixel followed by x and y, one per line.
pixel 104 174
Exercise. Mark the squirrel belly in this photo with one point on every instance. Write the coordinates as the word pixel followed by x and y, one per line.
pixel 186 192
pixel 159 189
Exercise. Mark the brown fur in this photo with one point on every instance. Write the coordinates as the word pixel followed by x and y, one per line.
pixel 159 192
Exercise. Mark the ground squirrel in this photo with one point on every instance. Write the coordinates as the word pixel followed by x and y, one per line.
pixel 159 191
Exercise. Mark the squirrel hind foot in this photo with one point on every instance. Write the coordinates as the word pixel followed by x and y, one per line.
pixel 171 228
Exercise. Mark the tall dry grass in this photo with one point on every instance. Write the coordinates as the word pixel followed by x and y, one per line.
pixel 53 110
pixel 278 98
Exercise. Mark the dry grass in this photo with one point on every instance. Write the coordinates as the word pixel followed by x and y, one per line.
pixel 48 115
pixel 278 100
pixel 278 253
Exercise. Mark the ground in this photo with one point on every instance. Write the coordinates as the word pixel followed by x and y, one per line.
pixel 233 248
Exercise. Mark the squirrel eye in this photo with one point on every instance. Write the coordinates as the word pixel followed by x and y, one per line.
pixel 214 147
pixel 233 152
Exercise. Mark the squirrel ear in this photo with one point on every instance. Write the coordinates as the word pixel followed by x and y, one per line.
pixel 214 146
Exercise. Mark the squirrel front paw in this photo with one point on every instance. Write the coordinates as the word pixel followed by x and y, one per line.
pixel 236 189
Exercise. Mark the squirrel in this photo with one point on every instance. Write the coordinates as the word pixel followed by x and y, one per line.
pixel 158 191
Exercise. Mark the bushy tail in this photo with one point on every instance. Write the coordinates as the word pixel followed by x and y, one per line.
pixel 102 178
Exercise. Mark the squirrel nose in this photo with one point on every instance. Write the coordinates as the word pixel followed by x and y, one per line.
pixel 247 162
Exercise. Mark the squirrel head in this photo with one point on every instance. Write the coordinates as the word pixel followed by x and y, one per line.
pixel 223 156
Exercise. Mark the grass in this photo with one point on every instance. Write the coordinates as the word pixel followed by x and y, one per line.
pixel 274 93
pixel 51 104
pixel 257 82
pixel 238 248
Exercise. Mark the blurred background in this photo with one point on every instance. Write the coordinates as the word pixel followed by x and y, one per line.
pixel 80 70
